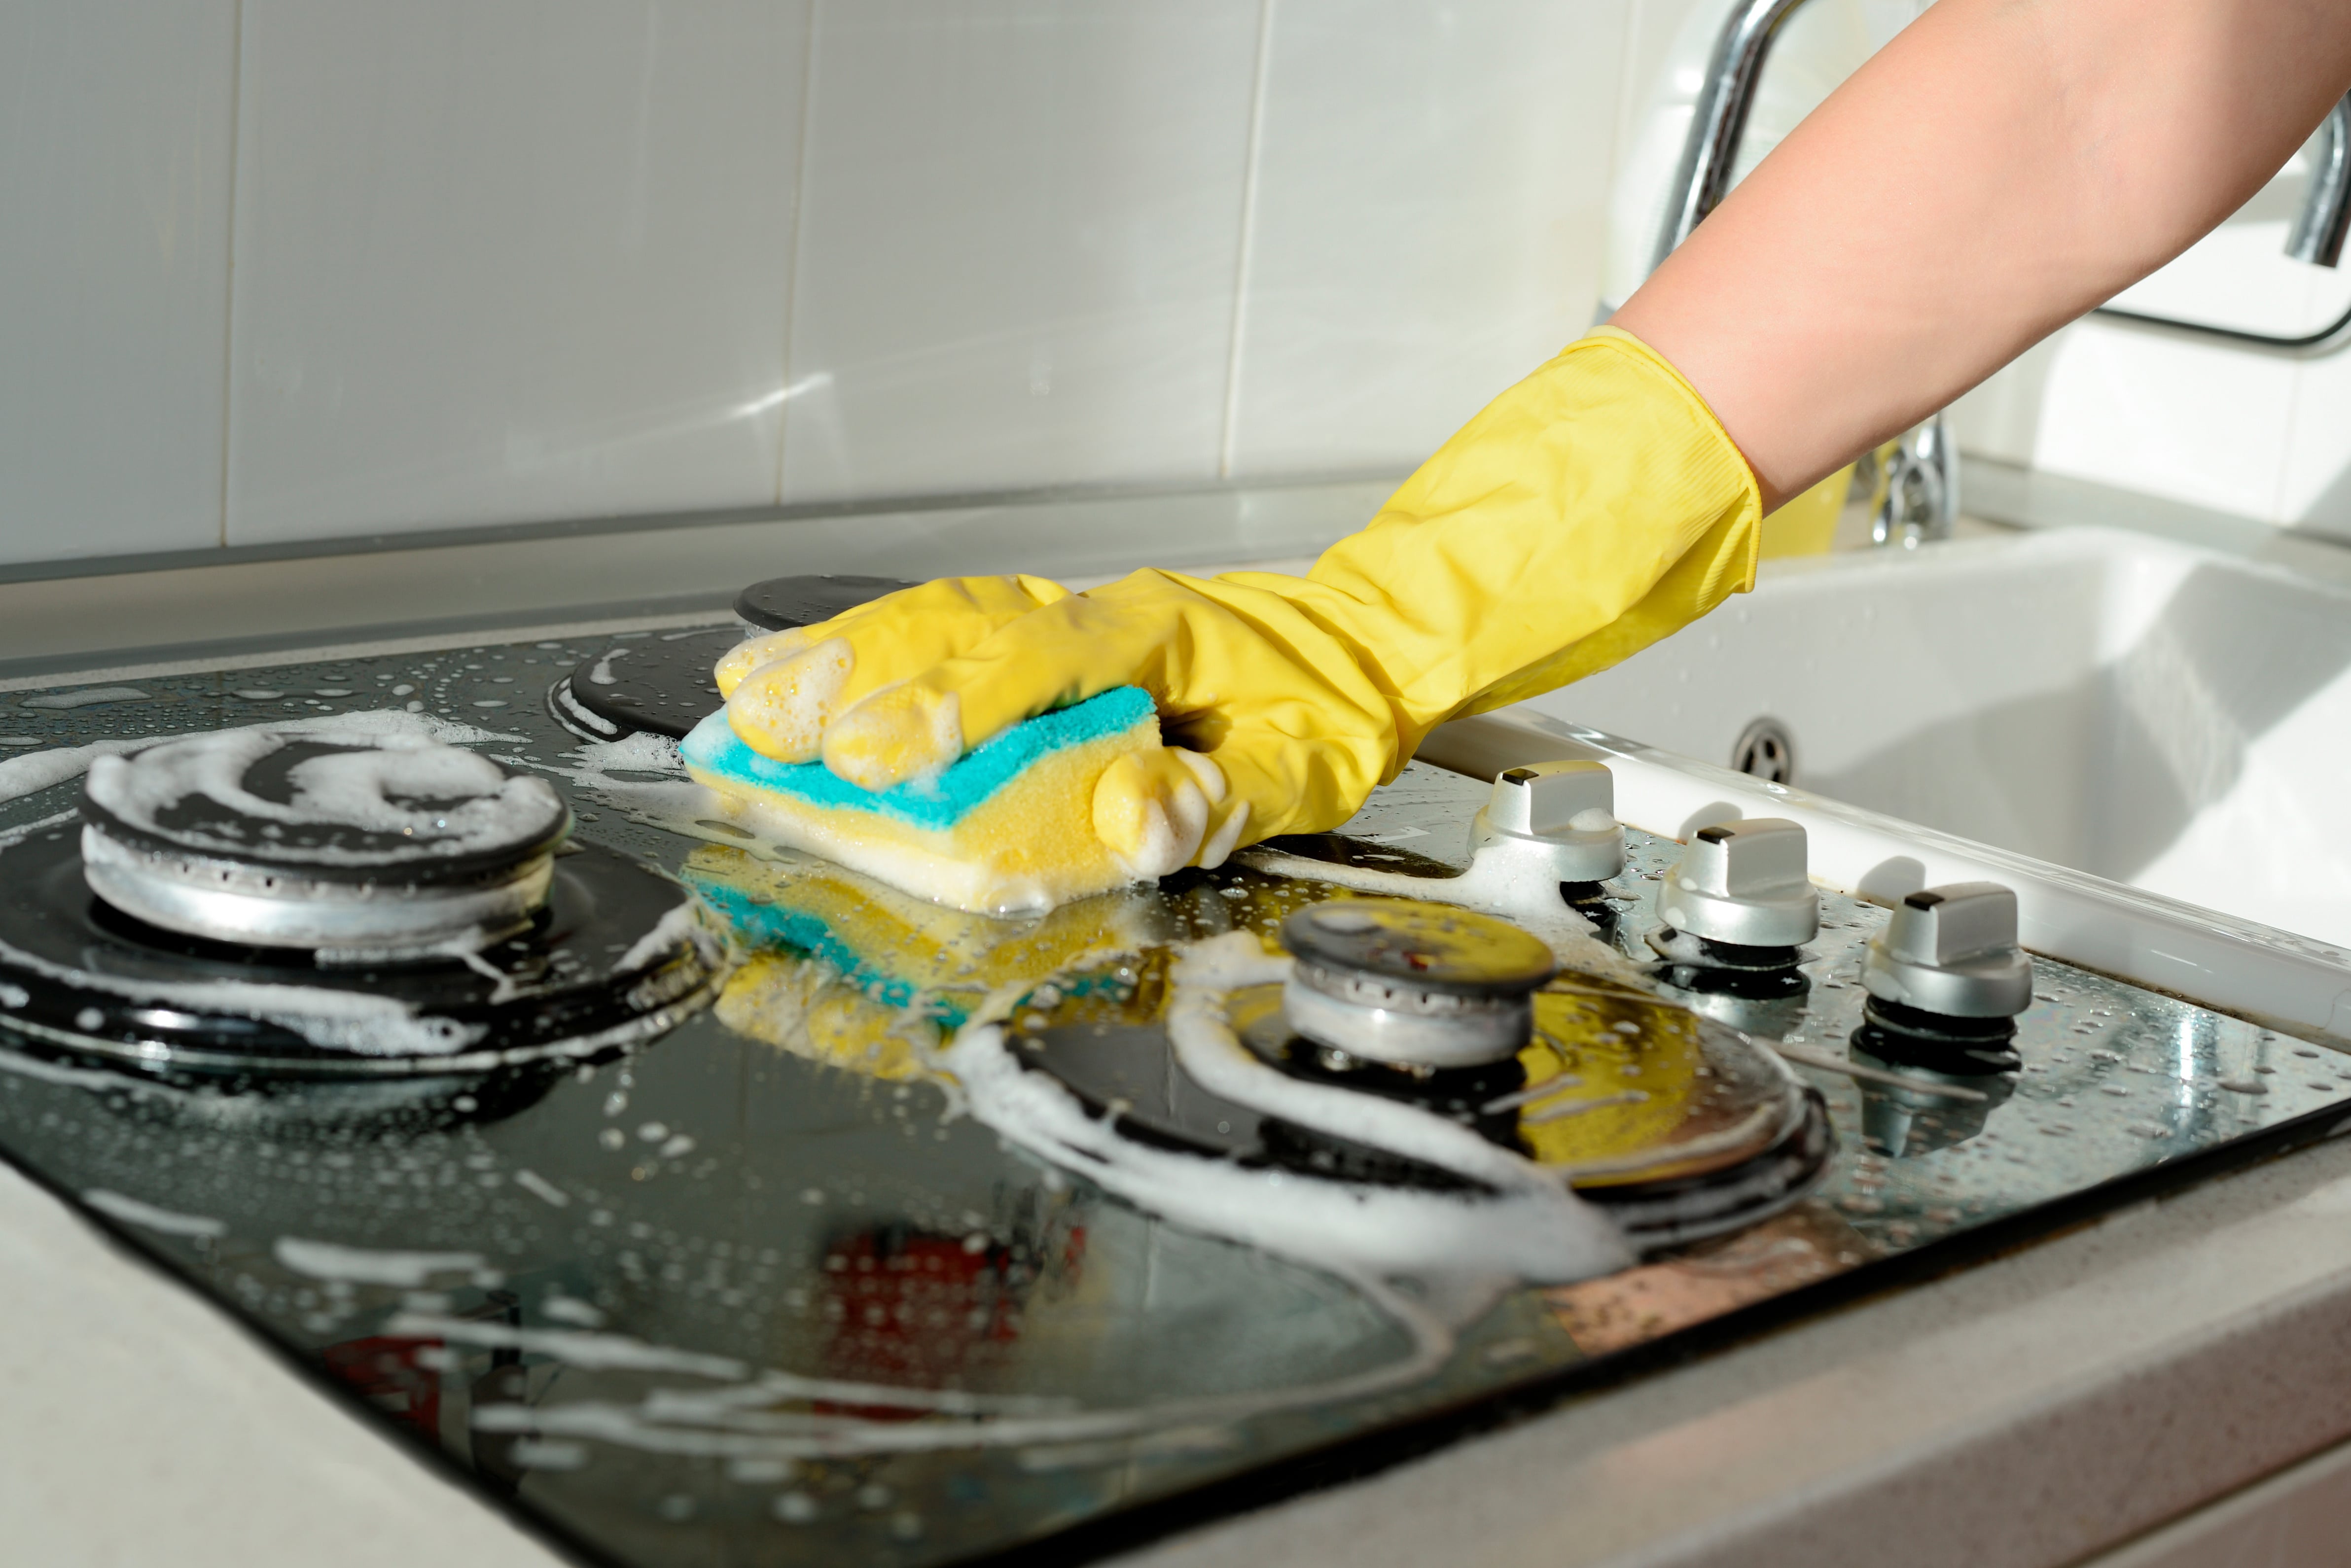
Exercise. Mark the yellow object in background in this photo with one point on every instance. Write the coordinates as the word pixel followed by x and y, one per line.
pixel 1806 525
pixel 1626 1065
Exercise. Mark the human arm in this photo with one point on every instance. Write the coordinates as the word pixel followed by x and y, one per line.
pixel 2020 162
pixel 2022 159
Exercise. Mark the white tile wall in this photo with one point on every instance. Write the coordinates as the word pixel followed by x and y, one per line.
pixel 1426 223
pixel 2195 420
pixel 2314 491
pixel 511 260
pixel 2262 434
pixel 114 201
pixel 501 260
pixel 1019 237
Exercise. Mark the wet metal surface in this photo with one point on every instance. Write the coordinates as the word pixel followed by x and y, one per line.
pixel 756 1293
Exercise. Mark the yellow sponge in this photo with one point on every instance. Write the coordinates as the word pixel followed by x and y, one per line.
pixel 1008 829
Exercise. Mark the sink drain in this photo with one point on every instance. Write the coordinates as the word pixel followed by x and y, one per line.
pixel 1767 752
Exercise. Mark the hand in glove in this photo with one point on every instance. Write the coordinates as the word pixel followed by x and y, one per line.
pixel 1590 510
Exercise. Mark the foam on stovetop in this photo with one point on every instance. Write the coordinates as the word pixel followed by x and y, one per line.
pixel 1009 828
pixel 36 770
pixel 1526 1225
pixel 422 799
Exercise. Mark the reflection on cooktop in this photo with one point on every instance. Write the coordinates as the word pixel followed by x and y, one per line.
pixel 769 1287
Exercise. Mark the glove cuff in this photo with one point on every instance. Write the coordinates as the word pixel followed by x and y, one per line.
pixel 1592 508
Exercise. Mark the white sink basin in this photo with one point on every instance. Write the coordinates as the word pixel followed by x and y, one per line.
pixel 2156 714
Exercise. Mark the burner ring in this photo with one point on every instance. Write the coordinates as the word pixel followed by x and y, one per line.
pixel 369 846
pixel 618 955
pixel 202 896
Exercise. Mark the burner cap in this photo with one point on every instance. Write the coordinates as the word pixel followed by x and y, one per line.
pixel 660 683
pixel 615 955
pixel 781 603
pixel 1676 1128
pixel 1392 980
pixel 280 839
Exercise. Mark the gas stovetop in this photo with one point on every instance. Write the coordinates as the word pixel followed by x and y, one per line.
pixel 768 1262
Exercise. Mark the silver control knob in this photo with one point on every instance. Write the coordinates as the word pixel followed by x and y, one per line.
pixel 1422 985
pixel 1952 951
pixel 1558 817
pixel 1744 884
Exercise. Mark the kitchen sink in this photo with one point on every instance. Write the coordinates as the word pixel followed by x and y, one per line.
pixel 2150 712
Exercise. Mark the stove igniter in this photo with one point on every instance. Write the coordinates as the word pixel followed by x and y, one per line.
pixel 1411 983
pixel 372 846
pixel 1560 817
pixel 1740 897
pixel 1951 950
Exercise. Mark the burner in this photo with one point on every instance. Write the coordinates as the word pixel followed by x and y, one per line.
pixel 1390 979
pixel 1675 1127
pixel 615 955
pixel 375 845
pixel 779 604
pixel 660 684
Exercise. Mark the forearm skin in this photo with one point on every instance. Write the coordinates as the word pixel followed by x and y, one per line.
pixel 2000 168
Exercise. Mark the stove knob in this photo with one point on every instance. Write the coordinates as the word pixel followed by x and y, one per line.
pixel 1560 816
pixel 1417 984
pixel 1952 951
pixel 1744 884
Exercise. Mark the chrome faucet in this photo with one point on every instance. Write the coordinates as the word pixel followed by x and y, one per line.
pixel 2317 236
pixel 1914 482
pixel 1718 119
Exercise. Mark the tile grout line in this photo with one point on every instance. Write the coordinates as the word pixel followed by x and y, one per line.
pixel 792 243
pixel 228 278
pixel 1246 249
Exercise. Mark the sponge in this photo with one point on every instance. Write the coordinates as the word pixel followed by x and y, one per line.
pixel 1008 829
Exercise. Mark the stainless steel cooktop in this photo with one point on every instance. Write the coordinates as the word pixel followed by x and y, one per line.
pixel 766 1287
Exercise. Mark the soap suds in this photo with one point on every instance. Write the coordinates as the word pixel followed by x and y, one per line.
pixel 87 696
pixel 1528 1227
pixel 147 1217
pixel 349 1021
pixel 417 799
pixel 37 771
pixel 369 1266
pixel 681 927
pixel 740 1419
pixel 781 708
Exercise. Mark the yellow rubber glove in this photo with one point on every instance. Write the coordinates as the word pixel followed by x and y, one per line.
pixel 783 688
pixel 1590 510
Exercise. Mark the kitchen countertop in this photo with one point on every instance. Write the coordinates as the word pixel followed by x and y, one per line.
pixel 2032 1409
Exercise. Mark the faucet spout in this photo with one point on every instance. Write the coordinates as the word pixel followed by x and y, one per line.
pixel 2318 229
pixel 1718 119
